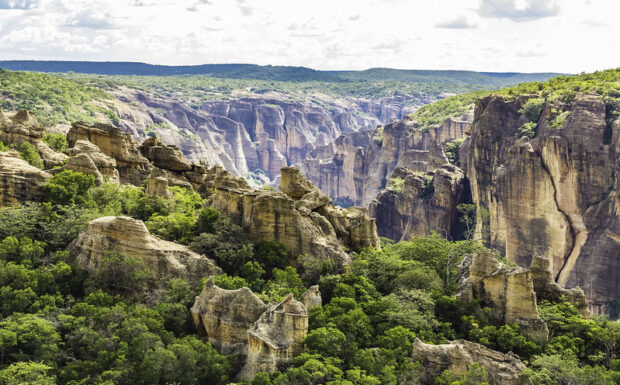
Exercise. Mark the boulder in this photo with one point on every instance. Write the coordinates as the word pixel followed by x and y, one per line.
pixel 86 158
pixel 508 291
pixel 130 237
pixel 311 298
pixel 19 181
pixel 164 156
pixel 459 356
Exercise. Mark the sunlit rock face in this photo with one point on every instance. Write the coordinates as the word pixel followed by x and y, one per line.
pixel 555 195
pixel 459 356
pixel 131 238
pixel 19 181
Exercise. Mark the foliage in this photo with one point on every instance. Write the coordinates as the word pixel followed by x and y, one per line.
pixel 528 130
pixel 532 108
pixel 29 153
pixel 396 184
pixel 451 149
pixel 57 142
pixel 68 187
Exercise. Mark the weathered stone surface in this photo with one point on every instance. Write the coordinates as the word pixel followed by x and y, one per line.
pixel 163 156
pixel 130 237
pixel 313 227
pixel 547 289
pixel 276 338
pixel 555 195
pixel 19 181
pixel 311 298
pixel 132 167
pixel 265 337
pixel 157 186
pixel 426 202
pixel 226 316
pixel 508 291
pixel 86 157
pixel 458 356
pixel 355 167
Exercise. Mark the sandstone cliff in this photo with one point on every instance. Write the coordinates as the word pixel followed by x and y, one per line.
pixel 300 217
pixel 509 292
pixel 555 195
pixel 265 337
pixel 422 202
pixel 459 356
pixel 131 238
pixel 19 181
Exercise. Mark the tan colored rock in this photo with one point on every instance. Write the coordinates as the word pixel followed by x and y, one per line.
pixel 459 356
pixel 294 184
pixel 276 338
pixel 130 237
pixel 19 181
pixel 226 316
pixel 86 158
pixel 508 291
pixel 311 298
pixel 307 226
pixel 163 156
pixel 133 168
pixel 554 195
pixel 157 186
pixel 547 289
pixel 426 202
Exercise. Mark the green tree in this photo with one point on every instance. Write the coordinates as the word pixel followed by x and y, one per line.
pixel 68 187
pixel 57 142
pixel 30 154
pixel 27 373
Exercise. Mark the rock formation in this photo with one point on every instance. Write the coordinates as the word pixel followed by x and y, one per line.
pixel 132 167
pixel 424 202
pixel 311 298
pixel 131 238
pixel 458 356
pixel 555 195
pixel 86 158
pixel 356 167
pixel 19 181
pixel 265 337
pixel 508 291
pixel 276 338
pixel 303 221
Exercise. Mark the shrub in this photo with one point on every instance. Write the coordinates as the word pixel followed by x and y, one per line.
pixel 532 108
pixel 396 184
pixel 452 150
pixel 560 119
pixel 527 129
pixel 69 187
pixel 57 142
pixel 29 153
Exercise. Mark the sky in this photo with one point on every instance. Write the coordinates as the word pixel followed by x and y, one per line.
pixel 567 36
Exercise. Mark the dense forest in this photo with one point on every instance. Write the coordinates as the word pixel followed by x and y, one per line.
pixel 121 324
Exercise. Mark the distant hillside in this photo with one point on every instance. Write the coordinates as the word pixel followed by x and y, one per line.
pixel 280 73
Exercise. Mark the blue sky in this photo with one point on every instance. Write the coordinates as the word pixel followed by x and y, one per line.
pixel 485 35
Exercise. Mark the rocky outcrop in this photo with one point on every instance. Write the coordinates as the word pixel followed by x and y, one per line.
pixel 459 356
pixel 555 195
pixel 86 158
pixel 133 168
pixel 356 167
pixel 276 338
pixel 508 291
pixel 19 181
pixel 304 221
pixel 23 127
pixel 416 203
pixel 265 337
pixel 311 298
pixel 547 289
pixel 226 316
pixel 163 156
pixel 131 238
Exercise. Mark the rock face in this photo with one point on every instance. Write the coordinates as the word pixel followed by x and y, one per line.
pixel 130 237
pixel 86 157
pixel 276 337
pixel 19 181
pixel 132 167
pixel 555 195
pixel 311 298
pixel 266 337
pixel 23 127
pixel 356 167
pixel 303 220
pixel 458 356
pixel 508 291
pixel 426 201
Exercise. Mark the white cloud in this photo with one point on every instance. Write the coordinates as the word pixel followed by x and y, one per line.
pixel 460 22
pixel 18 4
pixel 519 10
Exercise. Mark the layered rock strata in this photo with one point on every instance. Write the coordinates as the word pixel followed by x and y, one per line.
pixel 508 291
pixel 459 356
pixel 19 181
pixel 131 238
